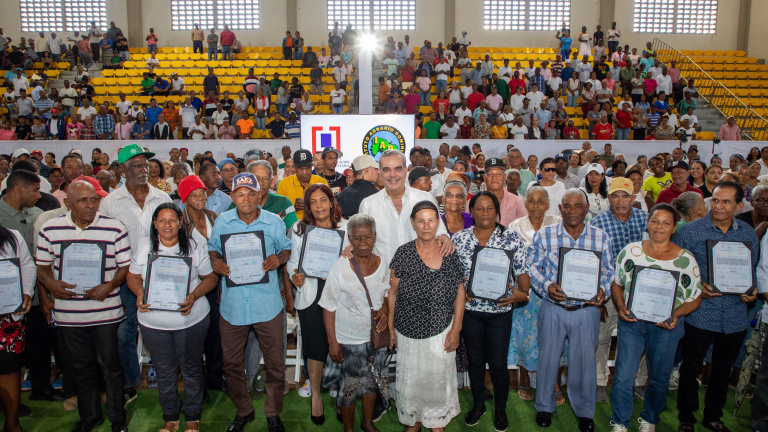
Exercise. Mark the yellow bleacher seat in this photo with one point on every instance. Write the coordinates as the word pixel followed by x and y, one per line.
pixel 276 56
pixel 705 136
pixel 108 72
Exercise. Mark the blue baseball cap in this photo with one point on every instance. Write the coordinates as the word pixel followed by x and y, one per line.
pixel 226 161
pixel 245 180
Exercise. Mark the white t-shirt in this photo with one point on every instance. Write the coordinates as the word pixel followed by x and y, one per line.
pixel 201 265
pixel 555 193
pixel 54 45
pixel 555 83
pixel 217 117
pixel 177 83
pixel 345 295
pixel 516 101
pixel 692 119
pixel 69 100
pixel 505 70
pixel 466 91
pixel 454 96
pixel 450 131
pixel 690 132
pixel 123 106
pixel 584 70
pixel 153 61
pixel 442 71
pixel 195 127
pixel 461 113
pixel 134 112
pixel 86 112
pixel 188 114
pixel 536 99
pixel 337 96
pixel 518 132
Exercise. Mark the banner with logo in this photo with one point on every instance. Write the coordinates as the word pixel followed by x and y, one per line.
pixel 355 135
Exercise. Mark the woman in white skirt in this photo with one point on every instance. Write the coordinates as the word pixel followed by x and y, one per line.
pixel 584 43
pixel 426 304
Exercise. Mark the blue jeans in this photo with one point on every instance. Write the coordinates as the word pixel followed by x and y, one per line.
pixel 572 99
pixel 612 45
pixel 659 346
pixel 622 134
pixel 226 52
pixel 261 122
pixel 197 46
pixel 282 108
pixel 440 85
pixel 424 98
pixel 213 53
pixel 338 109
pixel 565 54
pixel 126 339
pixel 152 48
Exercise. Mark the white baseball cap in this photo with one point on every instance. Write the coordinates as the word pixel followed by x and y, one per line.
pixel 20 152
pixel 595 167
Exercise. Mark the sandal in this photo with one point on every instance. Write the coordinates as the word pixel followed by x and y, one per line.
pixel 195 426
pixel 559 398
pixel 175 427
pixel 524 393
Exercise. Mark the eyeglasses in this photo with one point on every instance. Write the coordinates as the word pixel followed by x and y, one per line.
pixel 549 169
pixel 760 201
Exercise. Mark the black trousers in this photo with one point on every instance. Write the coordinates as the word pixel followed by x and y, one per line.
pixel 87 348
pixel 96 51
pixel 486 336
pixel 725 349
pixel 41 340
pixel 760 400
pixel 212 349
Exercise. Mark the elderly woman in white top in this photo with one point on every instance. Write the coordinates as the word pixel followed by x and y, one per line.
pixel 347 316
pixel 175 335
pixel 324 212
pixel 12 246
pixel 524 344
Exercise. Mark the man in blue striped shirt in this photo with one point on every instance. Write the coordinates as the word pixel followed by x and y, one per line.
pixel 561 318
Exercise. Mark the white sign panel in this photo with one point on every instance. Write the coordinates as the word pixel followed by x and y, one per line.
pixel 356 135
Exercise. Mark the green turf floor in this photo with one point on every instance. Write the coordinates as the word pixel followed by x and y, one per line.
pixel 145 415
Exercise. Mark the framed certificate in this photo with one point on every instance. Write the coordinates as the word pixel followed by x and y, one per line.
pixel 578 273
pixel 490 273
pixel 730 266
pixel 652 294
pixel 11 294
pixel 320 250
pixel 167 281
pixel 82 264
pixel 245 253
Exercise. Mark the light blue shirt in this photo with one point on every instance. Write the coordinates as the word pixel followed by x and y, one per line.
pixel 250 304
pixel 218 202
pixel 400 55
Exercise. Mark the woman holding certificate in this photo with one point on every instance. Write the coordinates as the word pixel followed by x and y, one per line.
pixel 426 311
pixel 656 284
pixel 492 257
pixel 316 242
pixel 170 274
pixel 18 274
pixel 349 315
pixel 524 343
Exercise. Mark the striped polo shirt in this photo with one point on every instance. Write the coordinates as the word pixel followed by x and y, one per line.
pixel 82 311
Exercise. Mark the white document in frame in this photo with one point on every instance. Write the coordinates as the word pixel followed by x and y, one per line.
pixel 731 267
pixel 168 283
pixel 491 273
pixel 10 288
pixel 82 265
pixel 245 258
pixel 654 295
pixel 580 274
pixel 321 251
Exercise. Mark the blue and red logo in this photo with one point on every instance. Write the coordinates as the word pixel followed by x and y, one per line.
pixel 324 137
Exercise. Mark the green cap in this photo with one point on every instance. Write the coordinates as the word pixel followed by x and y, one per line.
pixel 132 150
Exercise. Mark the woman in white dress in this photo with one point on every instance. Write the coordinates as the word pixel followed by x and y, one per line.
pixel 584 40
pixel 596 190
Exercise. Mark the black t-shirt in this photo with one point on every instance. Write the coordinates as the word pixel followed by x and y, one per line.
pixel 23 130
pixel 351 197
pixel 455 47
pixel 47 202
pixel 227 104
pixel 296 91
pixel 601 70
pixel 277 127
pixel 337 182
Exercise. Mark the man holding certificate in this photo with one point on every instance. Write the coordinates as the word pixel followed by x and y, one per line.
pixel 581 255
pixel 657 283
pixel 246 247
pixel 82 259
pixel 726 250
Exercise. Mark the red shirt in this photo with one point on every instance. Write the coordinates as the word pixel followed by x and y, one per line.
pixel 603 131
pixel 410 101
pixel 571 132
pixel 624 118
pixel 474 99
pixel 227 37
pixel 670 193
pixel 407 73
pixel 436 105
pixel 465 131
pixel 515 83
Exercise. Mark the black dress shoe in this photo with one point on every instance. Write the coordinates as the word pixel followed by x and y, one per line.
pixel 87 426
pixel 119 427
pixel 685 427
pixel 318 420
pixel 49 395
pixel 274 424
pixel 716 426
pixel 24 410
pixel 544 419
pixel 500 422
pixel 238 424
pixel 473 416
pixel 586 424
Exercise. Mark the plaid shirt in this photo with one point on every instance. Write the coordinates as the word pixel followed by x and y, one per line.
pixel 622 233
pixel 539 81
pixel 88 133
pixel 104 125
pixel 544 254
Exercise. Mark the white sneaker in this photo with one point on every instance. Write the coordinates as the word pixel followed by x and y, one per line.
pixel 306 390
pixel 674 380
pixel 645 426
pixel 333 392
pixel 615 427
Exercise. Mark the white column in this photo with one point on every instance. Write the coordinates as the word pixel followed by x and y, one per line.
pixel 365 68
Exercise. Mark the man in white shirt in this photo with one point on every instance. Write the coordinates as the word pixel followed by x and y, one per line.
pixel 123 106
pixel 555 82
pixel 454 94
pixel 134 111
pixel 664 82
pixel 54 46
pixel 407 46
pixel 464 40
pixel 585 69
pixel 467 89
pixel 516 100
pixel 441 81
pixel 535 96
pixel 197 131
pixel 86 111
pixel 392 206
pixel 188 113
pixel 177 84
pixel 691 117
pixel 461 112
pixel 68 95
pixel 530 70
pixel 487 66
pixel 654 70
pixel 338 99
pixel 686 130
pixel 218 116
pixel 41 44
pixel 505 72
pixel 449 130
pixel 20 82
pixel 152 61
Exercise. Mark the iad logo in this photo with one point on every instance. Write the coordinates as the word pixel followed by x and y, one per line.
pixel 382 138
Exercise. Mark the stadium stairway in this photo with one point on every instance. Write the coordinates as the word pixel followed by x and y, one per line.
pixel 94 72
